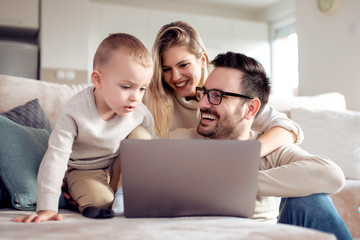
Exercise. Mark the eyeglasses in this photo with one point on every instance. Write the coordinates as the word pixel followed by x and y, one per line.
pixel 215 95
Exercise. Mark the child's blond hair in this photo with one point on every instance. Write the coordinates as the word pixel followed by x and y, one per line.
pixel 126 42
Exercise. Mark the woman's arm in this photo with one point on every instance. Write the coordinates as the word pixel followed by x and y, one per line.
pixel 274 138
pixel 277 130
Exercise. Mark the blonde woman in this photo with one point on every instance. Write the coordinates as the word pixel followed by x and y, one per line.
pixel 180 65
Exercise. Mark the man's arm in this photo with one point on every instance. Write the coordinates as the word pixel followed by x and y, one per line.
pixel 293 172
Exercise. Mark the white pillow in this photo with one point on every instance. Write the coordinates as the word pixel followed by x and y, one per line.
pixel 325 101
pixel 16 91
pixel 335 134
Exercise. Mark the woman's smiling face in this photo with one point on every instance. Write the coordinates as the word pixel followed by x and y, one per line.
pixel 182 70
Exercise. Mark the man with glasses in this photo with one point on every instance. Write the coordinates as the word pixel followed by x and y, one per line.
pixel 234 93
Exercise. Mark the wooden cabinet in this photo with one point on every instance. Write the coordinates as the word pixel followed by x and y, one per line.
pixel 19 14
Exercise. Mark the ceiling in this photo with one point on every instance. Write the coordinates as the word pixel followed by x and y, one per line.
pixel 246 4
pixel 253 5
pixel 244 9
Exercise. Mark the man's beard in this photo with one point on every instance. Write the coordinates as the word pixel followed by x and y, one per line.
pixel 226 128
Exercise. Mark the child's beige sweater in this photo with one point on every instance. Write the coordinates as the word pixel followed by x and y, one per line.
pixel 81 139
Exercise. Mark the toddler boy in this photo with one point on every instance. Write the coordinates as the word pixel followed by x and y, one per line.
pixel 88 132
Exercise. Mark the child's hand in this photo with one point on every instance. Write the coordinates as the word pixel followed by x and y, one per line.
pixel 40 216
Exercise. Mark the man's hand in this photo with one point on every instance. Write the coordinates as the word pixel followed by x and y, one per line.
pixel 40 216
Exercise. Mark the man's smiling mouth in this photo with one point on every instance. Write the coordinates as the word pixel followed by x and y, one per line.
pixel 207 116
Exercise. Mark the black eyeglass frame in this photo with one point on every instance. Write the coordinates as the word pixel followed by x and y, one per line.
pixel 222 93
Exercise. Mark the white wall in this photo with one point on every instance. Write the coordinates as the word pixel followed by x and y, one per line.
pixel 72 30
pixel 219 34
pixel 329 50
pixel 64 34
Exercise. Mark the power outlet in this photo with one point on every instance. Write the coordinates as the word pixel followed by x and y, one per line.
pixel 65 75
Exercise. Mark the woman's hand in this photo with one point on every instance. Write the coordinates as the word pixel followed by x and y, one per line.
pixel 40 216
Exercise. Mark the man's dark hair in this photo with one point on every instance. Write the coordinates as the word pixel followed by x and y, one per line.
pixel 254 82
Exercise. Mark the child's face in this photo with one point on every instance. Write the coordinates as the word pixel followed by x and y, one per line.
pixel 122 86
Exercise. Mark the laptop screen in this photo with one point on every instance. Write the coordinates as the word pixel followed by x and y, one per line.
pixel 172 178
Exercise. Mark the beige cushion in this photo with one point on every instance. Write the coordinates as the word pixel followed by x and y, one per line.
pixel 15 91
pixel 347 202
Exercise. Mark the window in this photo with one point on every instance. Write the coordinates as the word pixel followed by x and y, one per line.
pixel 285 73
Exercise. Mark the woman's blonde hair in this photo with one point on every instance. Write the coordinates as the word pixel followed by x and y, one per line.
pixel 158 99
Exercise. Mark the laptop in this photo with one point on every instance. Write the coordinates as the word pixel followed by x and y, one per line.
pixel 176 178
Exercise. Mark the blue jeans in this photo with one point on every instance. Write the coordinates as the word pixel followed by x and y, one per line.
pixel 316 211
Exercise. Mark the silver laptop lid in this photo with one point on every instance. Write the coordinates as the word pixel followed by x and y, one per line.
pixel 171 178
